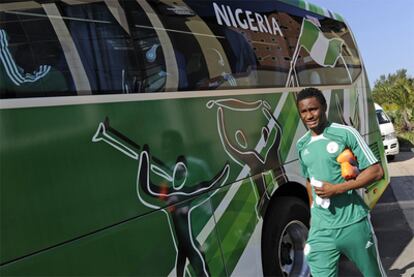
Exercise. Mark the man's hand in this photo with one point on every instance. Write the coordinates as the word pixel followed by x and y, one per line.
pixel 327 190
pixel 366 177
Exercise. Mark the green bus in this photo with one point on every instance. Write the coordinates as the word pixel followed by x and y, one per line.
pixel 157 137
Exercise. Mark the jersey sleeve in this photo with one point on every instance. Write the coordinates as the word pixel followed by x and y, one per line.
pixel 303 167
pixel 361 150
pixel 303 170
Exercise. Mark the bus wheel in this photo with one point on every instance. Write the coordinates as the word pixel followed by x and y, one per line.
pixel 284 237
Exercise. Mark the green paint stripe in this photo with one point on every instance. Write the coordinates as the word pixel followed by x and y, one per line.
pixel 289 119
pixel 234 217
pixel 316 9
pixel 243 197
pixel 302 4
pixel 241 210
pixel 213 256
pixel 237 245
pixel 290 130
pixel 309 35
pixel 338 17
pixel 235 241
pixel 297 3
pixel 333 52
pixel 216 266
pixel 238 212
pixel 312 8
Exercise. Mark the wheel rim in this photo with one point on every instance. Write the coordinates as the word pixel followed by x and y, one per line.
pixel 290 250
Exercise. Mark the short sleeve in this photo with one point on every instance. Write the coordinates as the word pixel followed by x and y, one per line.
pixel 361 150
pixel 303 167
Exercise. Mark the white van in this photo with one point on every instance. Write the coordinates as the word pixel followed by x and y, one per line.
pixel 388 135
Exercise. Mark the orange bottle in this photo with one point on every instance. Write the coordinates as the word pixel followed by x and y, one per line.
pixel 348 171
pixel 346 156
pixel 348 162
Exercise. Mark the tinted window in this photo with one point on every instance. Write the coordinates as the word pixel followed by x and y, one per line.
pixel 272 45
pixel 32 62
pixel 208 56
pixel 73 49
pixel 106 47
pixel 329 59
pixel 382 117
pixel 120 50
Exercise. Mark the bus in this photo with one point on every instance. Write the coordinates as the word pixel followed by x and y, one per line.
pixel 157 137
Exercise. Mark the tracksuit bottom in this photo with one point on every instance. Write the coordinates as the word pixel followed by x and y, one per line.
pixel 356 241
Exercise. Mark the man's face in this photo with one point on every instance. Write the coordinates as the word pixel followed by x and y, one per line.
pixel 312 113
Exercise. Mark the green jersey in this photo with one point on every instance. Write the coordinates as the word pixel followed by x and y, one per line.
pixel 317 155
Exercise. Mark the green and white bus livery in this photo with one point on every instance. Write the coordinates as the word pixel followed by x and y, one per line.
pixel 157 137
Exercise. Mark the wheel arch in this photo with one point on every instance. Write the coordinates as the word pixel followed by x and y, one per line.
pixel 292 189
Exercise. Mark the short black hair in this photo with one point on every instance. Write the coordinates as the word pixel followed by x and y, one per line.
pixel 311 92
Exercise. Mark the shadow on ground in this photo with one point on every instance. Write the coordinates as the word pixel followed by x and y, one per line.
pixel 402 156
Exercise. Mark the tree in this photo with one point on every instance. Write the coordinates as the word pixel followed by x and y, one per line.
pixel 397 89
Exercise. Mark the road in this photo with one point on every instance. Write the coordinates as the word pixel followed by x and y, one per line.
pixel 393 221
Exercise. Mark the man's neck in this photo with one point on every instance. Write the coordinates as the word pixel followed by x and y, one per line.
pixel 319 130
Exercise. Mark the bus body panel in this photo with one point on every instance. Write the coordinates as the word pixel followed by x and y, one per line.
pixel 104 175
pixel 183 175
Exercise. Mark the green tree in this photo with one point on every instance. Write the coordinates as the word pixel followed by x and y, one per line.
pixel 397 89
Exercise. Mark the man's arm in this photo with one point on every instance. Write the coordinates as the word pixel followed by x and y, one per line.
pixel 366 177
pixel 309 190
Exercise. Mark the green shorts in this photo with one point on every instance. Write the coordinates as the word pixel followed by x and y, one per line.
pixel 356 241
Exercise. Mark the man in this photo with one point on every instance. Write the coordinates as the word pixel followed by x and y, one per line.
pixel 342 226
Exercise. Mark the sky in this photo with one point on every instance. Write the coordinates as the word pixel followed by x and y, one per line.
pixel 383 30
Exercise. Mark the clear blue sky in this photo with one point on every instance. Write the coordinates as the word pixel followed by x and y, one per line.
pixel 384 31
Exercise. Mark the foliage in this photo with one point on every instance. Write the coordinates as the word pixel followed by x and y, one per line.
pixel 406 140
pixel 395 93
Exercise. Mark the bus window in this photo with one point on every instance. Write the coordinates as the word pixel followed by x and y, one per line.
pixel 107 47
pixel 175 23
pixel 32 62
pixel 271 50
pixel 79 48
pixel 207 55
pixel 339 64
pixel 114 59
pixel 277 39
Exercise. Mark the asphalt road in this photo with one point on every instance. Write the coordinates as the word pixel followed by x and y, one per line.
pixel 393 221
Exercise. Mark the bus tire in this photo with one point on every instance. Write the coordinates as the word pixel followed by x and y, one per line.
pixel 284 237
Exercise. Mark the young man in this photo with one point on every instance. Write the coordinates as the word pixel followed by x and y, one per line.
pixel 339 225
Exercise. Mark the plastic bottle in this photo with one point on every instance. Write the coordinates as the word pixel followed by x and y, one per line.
pixel 323 202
